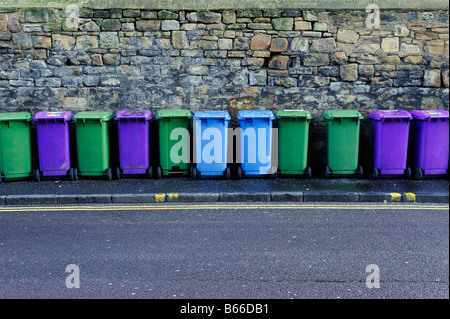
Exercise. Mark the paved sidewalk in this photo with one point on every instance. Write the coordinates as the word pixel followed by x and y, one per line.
pixel 177 189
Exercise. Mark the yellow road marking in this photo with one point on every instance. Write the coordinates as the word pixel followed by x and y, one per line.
pixel 410 197
pixel 160 198
pixel 217 207
pixel 396 197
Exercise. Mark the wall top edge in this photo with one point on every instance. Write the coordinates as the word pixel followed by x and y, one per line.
pixel 234 4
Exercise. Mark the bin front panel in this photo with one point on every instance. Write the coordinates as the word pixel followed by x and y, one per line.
pixel 430 144
pixel 93 147
pixel 179 145
pixel 390 143
pixel 211 141
pixel 256 145
pixel 293 145
pixel 134 144
pixel 15 149
pixel 53 146
pixel 343 144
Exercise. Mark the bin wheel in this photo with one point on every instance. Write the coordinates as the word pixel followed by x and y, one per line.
pixel 37 175
pixel 1 177
pixel 418 173
pixel 118 173
pixel 75 174
pixel 308 173
pixel 408 172
pixel 71 176
pixel 109 174
pixel 375 173
pixel 274 175
pixel 360 172
pixel 239 173
pixel 327 172
pixel 150 172
pixel 158 172
pixel 228 174
pixel 194 173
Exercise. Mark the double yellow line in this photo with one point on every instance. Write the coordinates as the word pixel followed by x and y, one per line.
pixel 165 207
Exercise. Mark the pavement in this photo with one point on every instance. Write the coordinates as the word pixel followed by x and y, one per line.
pixel 184 189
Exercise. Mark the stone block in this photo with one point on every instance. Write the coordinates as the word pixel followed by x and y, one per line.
pixel 63 42
pixel 225 44
pixel 111 25
pixel 36 15
pixel 260 42
pixel 86 42
pixel 229 16
pixel 303 25
pixel 258 78
pixel 13 22
pixel 209 17
pixel 320 26
pixel 283 24
pixel 279 62
pixel 323 45
pixel 170 25
pixel 148 25
pixel 279 45
pixel 347 36
pixel 22 41
pixel 167 15
pixel 109 40
pixel 316 59
pixel 42 42
pixel 180 40
pixel 349 72
pixel 432 78
pixel 299 44
pixel 90 26
pixel 241 43
pixel 390 45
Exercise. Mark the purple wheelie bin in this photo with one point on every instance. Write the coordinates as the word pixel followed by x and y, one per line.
pixel 53 139
pixel 429 143
pixel 390 130
pixel 134 134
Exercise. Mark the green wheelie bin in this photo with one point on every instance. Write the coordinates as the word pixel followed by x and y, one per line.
pixel 343 127
pixel 174 142
pixel 15 146
pixel 293 134
pixel 92 134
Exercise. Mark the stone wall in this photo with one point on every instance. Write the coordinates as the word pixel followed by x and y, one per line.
pixel 224 60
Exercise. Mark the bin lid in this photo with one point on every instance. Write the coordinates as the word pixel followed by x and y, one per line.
pixel 146 115
pixel 15 116
pixel 218 115
pixel 60 115
pixel 293 114
pixel 255 114
pixel 389 114
pixel 331 114
pixel 94 115
pixel 173 113
pixel 429 114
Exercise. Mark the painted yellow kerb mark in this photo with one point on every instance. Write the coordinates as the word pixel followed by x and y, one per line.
pixel 396 197
pixel 410 197
pixel 173 196
pixel 160 198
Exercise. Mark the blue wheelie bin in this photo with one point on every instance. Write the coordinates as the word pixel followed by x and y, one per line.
pixel 256 143
pixel 211 144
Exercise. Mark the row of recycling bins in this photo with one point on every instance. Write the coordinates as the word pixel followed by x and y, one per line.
pixel 428 139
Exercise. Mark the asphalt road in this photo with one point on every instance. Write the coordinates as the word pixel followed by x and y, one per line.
pixel 258 251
